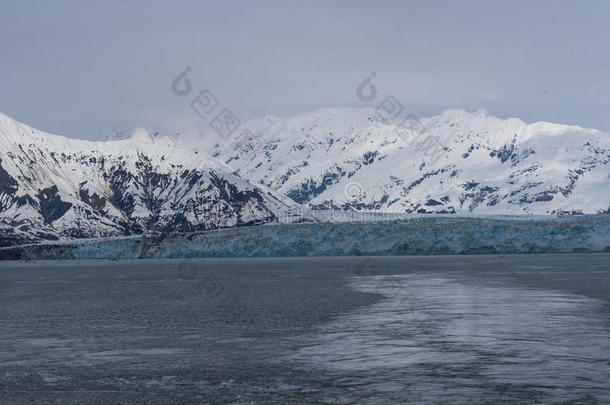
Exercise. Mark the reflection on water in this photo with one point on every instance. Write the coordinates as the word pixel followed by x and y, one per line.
pixel 434 339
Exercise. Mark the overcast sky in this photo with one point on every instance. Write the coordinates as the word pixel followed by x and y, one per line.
pixel 79 68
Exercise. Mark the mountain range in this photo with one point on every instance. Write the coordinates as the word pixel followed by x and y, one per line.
pixel 352 159
pixel 456 163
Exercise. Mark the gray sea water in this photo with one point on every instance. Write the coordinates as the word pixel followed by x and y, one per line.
pixel 386 330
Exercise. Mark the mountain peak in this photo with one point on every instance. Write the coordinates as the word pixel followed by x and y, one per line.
pixel 481 112
pixel 54 187
pixel 141 135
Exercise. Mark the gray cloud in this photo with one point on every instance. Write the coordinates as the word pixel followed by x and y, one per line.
pixel 78 69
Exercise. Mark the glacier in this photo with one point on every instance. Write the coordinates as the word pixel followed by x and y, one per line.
pixel 424 235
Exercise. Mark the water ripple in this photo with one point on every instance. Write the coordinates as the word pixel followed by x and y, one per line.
pixel 436 339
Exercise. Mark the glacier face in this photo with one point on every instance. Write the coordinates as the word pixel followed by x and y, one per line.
pixel 421 235
pixel 53 187
pixel 455 162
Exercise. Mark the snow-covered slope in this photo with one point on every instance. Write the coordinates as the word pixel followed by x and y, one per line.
pixel 455 162
pixel 53 187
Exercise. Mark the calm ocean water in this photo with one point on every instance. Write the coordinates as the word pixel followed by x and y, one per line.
pixel 456 330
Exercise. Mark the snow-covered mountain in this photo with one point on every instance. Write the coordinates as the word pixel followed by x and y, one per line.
pixel 455 162
pixel 342 158
pixel 53 187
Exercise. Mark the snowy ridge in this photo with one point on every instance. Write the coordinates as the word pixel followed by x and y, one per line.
pixel 349 158
pixel 52 187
